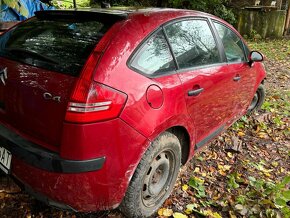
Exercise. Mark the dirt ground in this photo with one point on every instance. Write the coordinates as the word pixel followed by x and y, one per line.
pixel 237 175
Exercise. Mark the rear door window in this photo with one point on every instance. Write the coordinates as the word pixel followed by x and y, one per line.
pixel 57 45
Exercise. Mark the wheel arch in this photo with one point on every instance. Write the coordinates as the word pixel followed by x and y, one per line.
pixel 183 136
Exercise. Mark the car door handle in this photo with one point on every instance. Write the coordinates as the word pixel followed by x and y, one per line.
pixel 237 78
pixel 195 92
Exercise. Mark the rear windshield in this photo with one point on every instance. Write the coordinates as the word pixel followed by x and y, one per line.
pixel 61 46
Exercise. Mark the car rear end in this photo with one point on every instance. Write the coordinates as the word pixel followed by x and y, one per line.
pixel 60 135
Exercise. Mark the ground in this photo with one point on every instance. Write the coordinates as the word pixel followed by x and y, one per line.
pixel 245 172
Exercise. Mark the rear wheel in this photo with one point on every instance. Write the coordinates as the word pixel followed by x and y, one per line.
pixel 258 99
pixel 154 177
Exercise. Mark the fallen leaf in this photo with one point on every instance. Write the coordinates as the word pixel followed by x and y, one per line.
pixel 232 215
pixel 167 212
pixel 160 211
pixel 196 170
pixel 179 215
pixel 184 187
pixel 241 134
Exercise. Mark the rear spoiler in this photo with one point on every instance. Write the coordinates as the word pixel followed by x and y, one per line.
pixel 104 15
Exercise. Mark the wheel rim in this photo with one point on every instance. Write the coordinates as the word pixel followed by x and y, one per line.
pixel 254 101
pixel 158 178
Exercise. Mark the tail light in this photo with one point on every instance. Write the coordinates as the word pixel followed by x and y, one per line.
pixel 96 102
pixel 92 101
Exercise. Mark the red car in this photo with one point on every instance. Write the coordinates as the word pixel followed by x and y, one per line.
pixel 100 108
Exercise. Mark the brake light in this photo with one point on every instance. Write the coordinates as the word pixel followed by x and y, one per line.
pixel 99 103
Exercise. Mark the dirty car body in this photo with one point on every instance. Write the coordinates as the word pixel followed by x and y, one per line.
pixel 84 93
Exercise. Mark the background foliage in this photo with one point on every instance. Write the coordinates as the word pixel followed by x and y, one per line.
pixel 219 8
pixel 17 5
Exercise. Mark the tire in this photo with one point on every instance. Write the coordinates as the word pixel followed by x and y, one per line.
pixel 258 99
pixel 154 177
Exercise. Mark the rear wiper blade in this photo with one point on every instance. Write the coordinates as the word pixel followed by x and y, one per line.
pixel 31 54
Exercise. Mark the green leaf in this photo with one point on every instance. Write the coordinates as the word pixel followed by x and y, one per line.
pixel 286 180
pixel 197 184
pixel 286 195
pixel 280 203
pixel 232 182
pixel 241 199
pixel 286 212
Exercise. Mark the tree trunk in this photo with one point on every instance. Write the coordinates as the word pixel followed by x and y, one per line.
pixel 287 23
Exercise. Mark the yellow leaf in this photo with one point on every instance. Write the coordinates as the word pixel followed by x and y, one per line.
pixel 222 173
pixel 227 167
pixel 216 197
pixel 224 168
pixel 196 170
pixel 211 214
pixel 230 155
pixel 214 156
pixel 199 180
pixel 262 135
pixel 203 174
pixel 179 215
pixel 241 134
pixel 216 215
pixel 275 164
pixel 188 211
pixel 184 187
pixel 160 211
pixel 167 212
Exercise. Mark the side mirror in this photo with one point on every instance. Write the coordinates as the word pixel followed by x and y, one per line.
pixel 255 56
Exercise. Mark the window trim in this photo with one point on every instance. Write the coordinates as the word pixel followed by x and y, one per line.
pixel 222 44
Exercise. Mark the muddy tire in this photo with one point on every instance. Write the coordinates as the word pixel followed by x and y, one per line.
pixel 154 177
pixel 258 99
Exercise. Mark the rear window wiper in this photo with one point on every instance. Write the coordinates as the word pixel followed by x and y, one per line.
pixel 30 53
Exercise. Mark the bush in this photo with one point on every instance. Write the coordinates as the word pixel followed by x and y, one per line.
pixel 216 7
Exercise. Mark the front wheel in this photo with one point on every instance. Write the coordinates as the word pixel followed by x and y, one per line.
pixel 154 177
pixel 258 99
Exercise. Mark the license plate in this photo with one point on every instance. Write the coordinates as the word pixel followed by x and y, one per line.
pixel 5 160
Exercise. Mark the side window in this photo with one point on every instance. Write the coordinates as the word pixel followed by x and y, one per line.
pixel 233 45
pixel 192 43
pixel 154 57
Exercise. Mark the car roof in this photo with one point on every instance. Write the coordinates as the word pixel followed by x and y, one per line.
pixel 118 13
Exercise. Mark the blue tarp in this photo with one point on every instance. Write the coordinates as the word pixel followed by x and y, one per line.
pixel 10 14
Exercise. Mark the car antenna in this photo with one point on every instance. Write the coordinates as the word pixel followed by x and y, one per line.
pixel 75 4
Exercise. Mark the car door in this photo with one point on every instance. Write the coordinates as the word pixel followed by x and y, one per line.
pixel 207 84
pixel 236 53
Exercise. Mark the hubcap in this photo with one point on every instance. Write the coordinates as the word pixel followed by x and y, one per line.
pixel 158 178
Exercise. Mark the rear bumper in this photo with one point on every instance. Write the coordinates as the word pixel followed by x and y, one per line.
pixel 42 158
pixel 74 179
